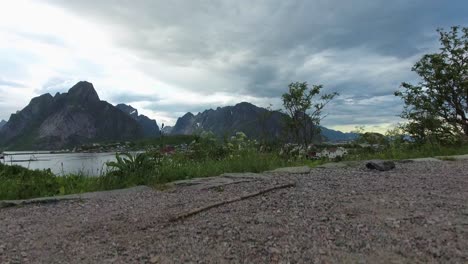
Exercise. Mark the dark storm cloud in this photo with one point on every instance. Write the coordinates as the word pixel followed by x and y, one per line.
pixel 361 48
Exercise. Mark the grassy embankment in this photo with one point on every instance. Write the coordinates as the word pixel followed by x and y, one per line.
pixel 206 157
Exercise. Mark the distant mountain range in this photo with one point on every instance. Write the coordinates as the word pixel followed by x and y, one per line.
pixel 69 119
pixel 336 136
pixel 255 122
pixel 79 116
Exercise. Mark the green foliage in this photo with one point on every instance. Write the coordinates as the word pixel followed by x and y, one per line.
pixel 437 107
pixel 304 112
pixel 372 138
pixel 30 185
pixel 205 156
pixel 206 146
pixel 130 163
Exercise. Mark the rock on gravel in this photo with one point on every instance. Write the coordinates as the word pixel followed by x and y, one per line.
pixel 415 213
pixel 380 165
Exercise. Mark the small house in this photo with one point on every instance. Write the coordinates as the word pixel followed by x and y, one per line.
pixel 333 153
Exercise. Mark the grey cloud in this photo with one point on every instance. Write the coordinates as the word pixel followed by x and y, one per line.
pixel 202 29
pixel 358 48
pixel 365 110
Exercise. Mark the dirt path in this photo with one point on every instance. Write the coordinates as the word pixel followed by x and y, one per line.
pixel 415 213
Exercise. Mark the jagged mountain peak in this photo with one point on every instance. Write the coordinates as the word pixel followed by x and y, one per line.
pixel 41 98
pixel 188 115
pixel 84 91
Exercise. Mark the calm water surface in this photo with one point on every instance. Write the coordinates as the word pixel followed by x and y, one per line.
pixel 90 164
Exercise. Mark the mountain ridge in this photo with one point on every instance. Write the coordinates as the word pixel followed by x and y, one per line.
pixel 256 122
pixel 79 116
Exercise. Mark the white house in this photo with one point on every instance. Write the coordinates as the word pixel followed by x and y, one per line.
pixel 332 153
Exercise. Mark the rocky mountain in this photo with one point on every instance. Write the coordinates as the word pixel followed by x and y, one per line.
pixel 67 119
pixel 167 130
pixel 2 123
pixel 255 122
pixel 150 127
pixel 335 135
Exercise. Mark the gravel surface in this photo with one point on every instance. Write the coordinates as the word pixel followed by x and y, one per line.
pixel 417 212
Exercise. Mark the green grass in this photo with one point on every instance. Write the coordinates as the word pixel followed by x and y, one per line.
pixel 248 162
pixel 17 182
pixel 179 168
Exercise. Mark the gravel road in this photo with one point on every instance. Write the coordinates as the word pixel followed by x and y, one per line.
pixel 416 213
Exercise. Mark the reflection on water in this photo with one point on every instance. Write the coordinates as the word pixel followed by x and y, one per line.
pixel 90 164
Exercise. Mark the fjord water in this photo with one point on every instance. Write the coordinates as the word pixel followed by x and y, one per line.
pixel 89 164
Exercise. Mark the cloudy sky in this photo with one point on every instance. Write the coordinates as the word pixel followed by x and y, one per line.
pixel 170 57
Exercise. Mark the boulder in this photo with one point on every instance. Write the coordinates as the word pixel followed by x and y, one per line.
pixel 380 165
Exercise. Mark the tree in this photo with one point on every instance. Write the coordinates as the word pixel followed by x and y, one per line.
pixel 305 114
pixel 437 107
pixel 371 138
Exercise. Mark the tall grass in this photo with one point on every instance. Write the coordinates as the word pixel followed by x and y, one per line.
pixel 179 167
pixel 17 182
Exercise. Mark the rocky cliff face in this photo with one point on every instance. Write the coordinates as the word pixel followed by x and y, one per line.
pixel 76 117
pixel 185 125
pixel 167 130
pixel 255 122
pixel 149 126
